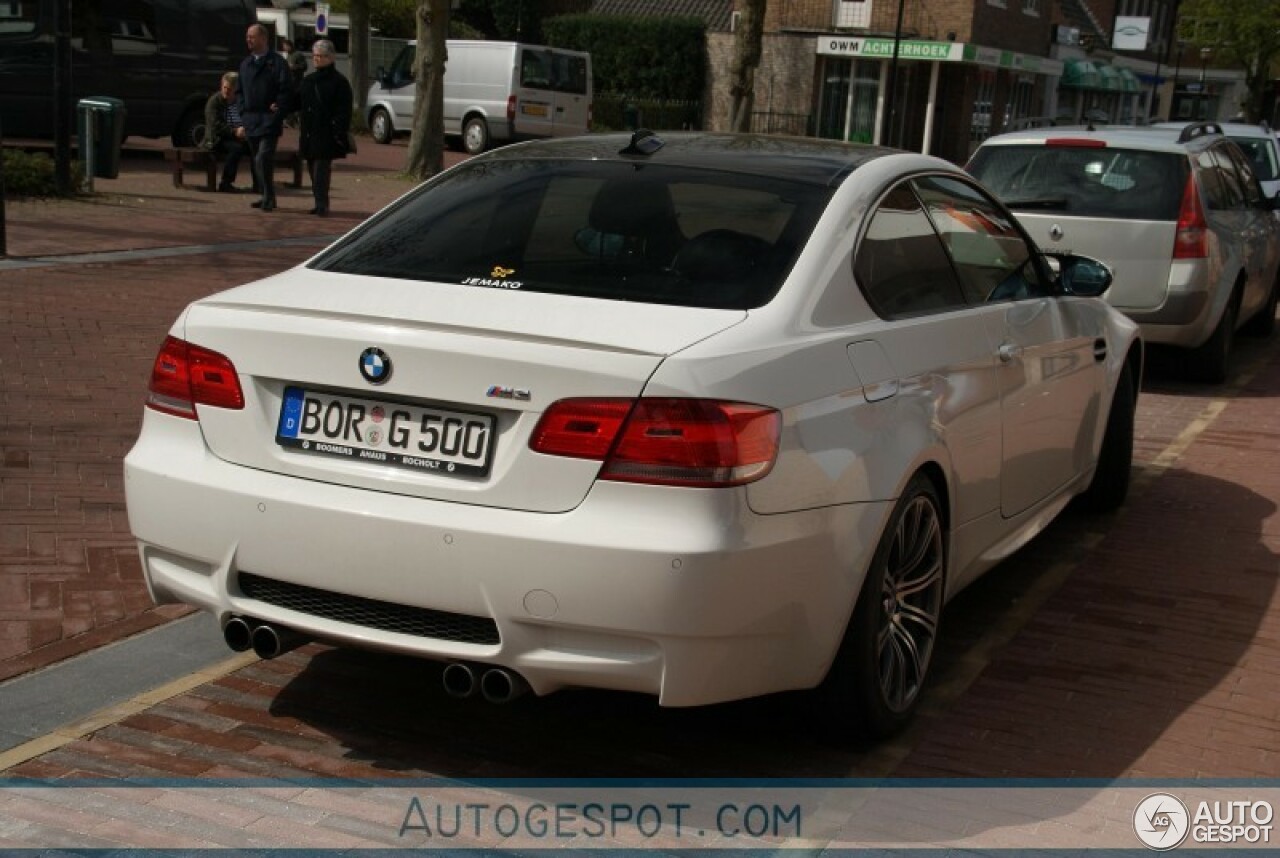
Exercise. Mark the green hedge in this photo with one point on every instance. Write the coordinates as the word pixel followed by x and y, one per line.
pixel 645 58
pixel 611 111
pixel 30 174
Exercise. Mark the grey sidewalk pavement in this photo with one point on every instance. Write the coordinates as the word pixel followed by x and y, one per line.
pixel 81 317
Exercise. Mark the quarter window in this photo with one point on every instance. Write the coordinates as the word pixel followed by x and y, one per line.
pixel 901 265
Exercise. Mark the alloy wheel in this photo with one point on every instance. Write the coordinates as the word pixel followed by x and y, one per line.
pixel 910 604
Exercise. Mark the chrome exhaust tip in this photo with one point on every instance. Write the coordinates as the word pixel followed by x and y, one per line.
pixel 270 642
pixel 459 680
pixel 499 685
pixel 238 634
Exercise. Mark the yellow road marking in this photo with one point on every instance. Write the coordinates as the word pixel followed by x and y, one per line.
pixel 117 712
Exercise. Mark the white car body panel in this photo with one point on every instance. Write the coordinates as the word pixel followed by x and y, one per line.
pixel 694 595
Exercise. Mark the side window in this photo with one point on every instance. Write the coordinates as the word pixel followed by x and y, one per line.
pixel 535 69
pixel 900 263
pixel 993 260
pixel 1248 176
pixel 1224 187
pixel 18 17
pixel 571 74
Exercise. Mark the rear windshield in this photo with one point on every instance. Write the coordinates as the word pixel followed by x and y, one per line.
pixel 1121 184
pixel 649 233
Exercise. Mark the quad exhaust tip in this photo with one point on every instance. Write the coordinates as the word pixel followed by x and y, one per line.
pixel 494 684
pixel 266 641
pixel 238 634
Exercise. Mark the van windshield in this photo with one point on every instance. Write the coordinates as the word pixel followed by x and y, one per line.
pixel 660 234
pixel 1084 181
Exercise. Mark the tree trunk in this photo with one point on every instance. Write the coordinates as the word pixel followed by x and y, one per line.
pixel 426 145
pixel 359 13
pixel 747 42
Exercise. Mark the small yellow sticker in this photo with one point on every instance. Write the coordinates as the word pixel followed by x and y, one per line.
pixel 500 272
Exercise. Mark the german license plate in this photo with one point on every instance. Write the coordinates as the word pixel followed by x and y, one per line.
pixel 418 437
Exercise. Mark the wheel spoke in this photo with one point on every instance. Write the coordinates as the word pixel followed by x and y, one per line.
pixel 927 622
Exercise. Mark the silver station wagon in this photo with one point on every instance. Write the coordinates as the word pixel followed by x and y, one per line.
pixel 1178 213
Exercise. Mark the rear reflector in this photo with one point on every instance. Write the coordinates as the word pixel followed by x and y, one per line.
pixel 1076 142
pixel 677 442
pixel 1191 241
pixel 185 375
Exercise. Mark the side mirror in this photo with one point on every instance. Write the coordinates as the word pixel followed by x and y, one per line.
pixel 1081 275
pixel 381 77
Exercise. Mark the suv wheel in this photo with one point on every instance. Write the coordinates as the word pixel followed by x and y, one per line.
pixel 1264 323
pixel 1210 361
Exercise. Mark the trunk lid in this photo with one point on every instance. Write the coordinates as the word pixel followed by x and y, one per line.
pixel 487 358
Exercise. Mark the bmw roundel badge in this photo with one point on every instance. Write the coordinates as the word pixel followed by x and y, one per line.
pixel 375 366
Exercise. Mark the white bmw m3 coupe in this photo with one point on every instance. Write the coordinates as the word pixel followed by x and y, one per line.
pixel 698 416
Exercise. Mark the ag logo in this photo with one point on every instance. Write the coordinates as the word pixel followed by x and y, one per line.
pixel 1161 821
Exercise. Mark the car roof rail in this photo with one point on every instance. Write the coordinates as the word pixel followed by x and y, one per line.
pixel 1198 129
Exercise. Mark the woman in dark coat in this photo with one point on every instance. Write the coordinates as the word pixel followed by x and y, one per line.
pixel 326 121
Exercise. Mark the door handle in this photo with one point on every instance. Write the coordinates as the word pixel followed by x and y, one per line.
pixel 1009 351
pixel 1099 349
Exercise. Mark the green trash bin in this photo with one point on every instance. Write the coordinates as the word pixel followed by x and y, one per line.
pixel 101 130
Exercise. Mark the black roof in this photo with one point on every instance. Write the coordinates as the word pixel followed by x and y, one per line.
pixel 802 159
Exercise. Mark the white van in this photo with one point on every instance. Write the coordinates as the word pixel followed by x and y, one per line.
pixel 299 27
pixel 494 92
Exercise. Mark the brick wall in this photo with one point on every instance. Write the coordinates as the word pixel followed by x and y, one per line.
pixel 784 81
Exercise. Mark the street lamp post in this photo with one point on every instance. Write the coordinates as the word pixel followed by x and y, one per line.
pixel 1177 69
pixel 889 126
pixel 1204 60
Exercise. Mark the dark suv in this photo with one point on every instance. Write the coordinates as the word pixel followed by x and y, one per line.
pixel 1178 213
pixel 163 58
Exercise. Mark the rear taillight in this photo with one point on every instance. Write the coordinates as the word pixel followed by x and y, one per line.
pixel 1192 238
pixel 511 108
pixel 675 442
pixel 185 375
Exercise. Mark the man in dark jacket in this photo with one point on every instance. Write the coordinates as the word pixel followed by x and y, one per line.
pixel 265 96
pixel 221 129
pixel 326 120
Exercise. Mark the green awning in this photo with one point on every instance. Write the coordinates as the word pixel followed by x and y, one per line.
pixel 1110 78
pixel 1129 80
pixel 1080 74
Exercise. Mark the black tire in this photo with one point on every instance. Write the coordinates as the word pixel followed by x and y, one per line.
pixel 190 129
pixel 1110 483
pixel 475 136
pixel 1212 360
pixel 380 127
pixel 884 659
pixel 1264 324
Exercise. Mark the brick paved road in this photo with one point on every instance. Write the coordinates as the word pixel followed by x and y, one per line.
pixel 1146 643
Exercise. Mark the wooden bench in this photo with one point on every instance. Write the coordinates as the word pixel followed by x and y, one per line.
pixel 181 156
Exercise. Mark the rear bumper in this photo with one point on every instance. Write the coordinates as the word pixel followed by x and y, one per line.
pixel 685 594
pixel 1185 319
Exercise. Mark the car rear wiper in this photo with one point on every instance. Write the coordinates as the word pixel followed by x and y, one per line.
pixel 1038 203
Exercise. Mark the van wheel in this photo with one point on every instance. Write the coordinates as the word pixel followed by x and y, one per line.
pixel 380 126
pixel 1264 323
pixel 1209 362
pixel 475 136
pixel 887 650
pixel 190 129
